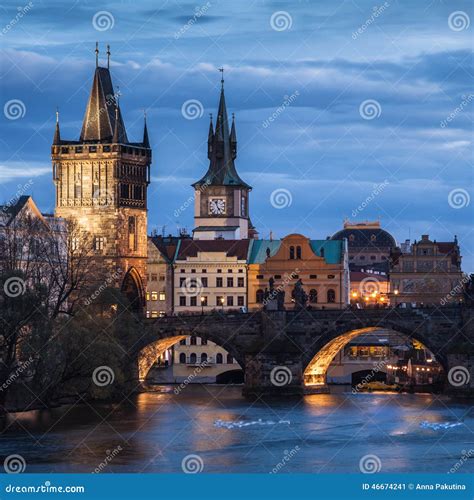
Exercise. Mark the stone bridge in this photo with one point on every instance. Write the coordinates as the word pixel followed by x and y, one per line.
pixel 282 352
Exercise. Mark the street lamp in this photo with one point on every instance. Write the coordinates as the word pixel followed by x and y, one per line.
pixel 202 305
pixel 222 303
pixel 395 292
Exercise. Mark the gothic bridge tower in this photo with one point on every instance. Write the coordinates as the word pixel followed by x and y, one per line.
pixel 221 206
pixel 101 182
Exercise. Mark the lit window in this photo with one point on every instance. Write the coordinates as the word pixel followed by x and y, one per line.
pixel 162 296
pixel 154 295
pixel 99 242
pixel 154 314
pixel 147 295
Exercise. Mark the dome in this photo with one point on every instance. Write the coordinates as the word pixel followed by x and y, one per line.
pixel 363 237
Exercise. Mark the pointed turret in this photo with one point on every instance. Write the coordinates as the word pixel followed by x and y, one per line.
pixel 233 139
pixel 100 116
pixel 222 150
pixel 116 136
pixel 210 137
pixel 57 133
pixel 146 141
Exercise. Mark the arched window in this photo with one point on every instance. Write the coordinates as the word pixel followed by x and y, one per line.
pixel 298 252
pixel 313 296
pixel 331 296
pixel 230 359
pixel 182 358
pixel 259 296
pixel 193 358
pixel 193 341
pixel 292 253
pixel 203 357
pixel 219 358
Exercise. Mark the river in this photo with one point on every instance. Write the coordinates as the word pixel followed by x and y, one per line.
pixel 155 431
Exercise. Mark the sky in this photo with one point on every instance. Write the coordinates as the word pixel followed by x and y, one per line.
pixel 344 109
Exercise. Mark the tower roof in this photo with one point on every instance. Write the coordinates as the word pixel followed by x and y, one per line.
pixel 222 150
pixel 99 119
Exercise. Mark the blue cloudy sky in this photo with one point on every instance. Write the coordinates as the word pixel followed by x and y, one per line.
pixel 309 65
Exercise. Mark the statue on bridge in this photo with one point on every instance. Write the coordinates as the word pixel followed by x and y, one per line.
pixel 299 295
pixel 274 299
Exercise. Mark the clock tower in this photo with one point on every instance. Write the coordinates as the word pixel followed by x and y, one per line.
pixel 221 206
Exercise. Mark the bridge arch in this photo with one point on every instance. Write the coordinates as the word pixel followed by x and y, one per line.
pixel 315 366
pixel 150 352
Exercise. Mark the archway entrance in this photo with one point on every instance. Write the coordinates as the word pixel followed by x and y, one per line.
pixel 352 358
pixel 132 288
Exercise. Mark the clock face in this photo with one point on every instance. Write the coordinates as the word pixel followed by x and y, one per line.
pixel 217 206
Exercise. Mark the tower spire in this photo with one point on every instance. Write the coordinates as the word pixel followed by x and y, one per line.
pixel 222 77
pixel 57 133
pixel 233 139
pixel 108 56
pixel 116 138
pixel 210 137
pixel 96 54
pixel 146 141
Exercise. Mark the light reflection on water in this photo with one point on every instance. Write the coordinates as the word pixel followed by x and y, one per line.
pixel 333 431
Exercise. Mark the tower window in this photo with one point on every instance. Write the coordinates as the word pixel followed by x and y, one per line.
pixel 292 253
pixel 99 243
pixel 132 233
pixel 298 252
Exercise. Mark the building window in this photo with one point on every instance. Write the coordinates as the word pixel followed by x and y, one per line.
pixel 182 300
pixel 259 297
pixel 230 300
pixel 230 282
pixel 331 276
pixel 182 342
pixel 182 270
pixel 193 271
pixel 219 358
pixel 203 300
pixel 99 242
pixel 193 341
pixel 154 295
pixel 292 253
pixel 313 276
pixel 203 342
pixel 182 282
pixel 219 300
pixel 240 300
pixel 193 358
pixel 240 282
pixel 204 282
pixel 260 276
pixel 298 252
pixel 219 282
pixel 230 359
pixel 132 233
pixel 154 314
pixel 182 358
pixel 204 271
pixel 362 257
pixel 373 257
pixel 193 301
pixel 219 271
pixel 313 296
pixel 278 276
pixel 162 296
pixel 331 296
pixel 229 270
pixel 241 270
pixel 203 357
pixel 154 277
pixel 147 295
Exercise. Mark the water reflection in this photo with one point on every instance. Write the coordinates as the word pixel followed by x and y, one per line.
pixel 156 430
